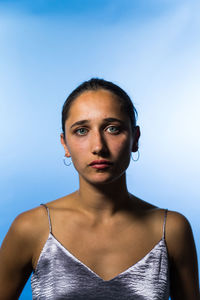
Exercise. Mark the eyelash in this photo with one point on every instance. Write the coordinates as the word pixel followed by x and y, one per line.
pixel 116 127
pixel 76 131
pixel 112 126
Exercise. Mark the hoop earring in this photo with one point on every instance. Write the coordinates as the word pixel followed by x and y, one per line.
pixel 65 163
pixel 137 156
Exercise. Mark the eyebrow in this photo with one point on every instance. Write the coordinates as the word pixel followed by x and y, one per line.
pixel 83 122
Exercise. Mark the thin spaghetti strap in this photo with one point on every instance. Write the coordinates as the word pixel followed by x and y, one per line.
pixel 50 227
pixel 164 223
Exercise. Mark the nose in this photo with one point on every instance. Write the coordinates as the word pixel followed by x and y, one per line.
pixel 98 144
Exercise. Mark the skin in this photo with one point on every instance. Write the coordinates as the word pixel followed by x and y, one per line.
pixel 102 213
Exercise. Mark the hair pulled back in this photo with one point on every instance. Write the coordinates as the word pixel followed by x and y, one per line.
pixel 95 84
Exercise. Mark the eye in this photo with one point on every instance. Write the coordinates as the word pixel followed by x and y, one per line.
pixel 113 129
pixel 81 131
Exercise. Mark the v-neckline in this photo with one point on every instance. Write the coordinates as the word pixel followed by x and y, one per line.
pixel 162 240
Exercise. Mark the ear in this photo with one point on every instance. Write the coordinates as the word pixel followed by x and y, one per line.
pixel 136 136
pixel 63 142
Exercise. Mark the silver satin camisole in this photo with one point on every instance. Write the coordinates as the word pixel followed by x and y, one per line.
pixel 60 275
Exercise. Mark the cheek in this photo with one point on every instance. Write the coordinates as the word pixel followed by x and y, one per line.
pixel 78 151
pixel 122 152
pixel 122 146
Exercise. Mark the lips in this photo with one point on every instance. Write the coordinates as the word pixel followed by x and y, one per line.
pixel 100 164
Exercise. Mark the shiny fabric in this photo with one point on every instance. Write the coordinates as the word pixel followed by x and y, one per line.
pixel 60 275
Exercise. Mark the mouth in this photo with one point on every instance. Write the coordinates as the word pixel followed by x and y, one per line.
pixel 100 164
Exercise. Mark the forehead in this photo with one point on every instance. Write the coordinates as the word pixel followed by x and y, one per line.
pixel 96 104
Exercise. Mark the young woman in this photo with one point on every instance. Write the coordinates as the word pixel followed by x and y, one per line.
pixel 100 242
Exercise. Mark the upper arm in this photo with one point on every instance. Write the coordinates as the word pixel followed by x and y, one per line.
pixel 16 258
pixel 183 258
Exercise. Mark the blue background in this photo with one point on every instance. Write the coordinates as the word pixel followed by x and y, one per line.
pixel 150 48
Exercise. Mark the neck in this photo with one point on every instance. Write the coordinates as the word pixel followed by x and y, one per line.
pixel 103 201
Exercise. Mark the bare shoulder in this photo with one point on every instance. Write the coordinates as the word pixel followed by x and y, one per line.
pixel 29 220
pixel 177 222
pixel 35 221
pixel 27 225
pixel 183 257
pixel 63 202
pixel 17 251
pixel 177 226
pixel 178 234
pixel 178 231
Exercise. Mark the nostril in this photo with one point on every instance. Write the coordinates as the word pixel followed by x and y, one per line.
pixel 101 150
pixel 97 149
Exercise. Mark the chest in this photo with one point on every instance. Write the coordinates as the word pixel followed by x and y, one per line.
pixel 60 275
pixel 107 251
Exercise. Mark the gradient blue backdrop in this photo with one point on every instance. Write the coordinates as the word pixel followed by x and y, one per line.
pixel 150 48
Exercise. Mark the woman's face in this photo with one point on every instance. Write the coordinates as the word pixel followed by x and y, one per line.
pixel 99 137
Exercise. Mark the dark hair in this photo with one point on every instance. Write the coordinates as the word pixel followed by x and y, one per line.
pixel 95 84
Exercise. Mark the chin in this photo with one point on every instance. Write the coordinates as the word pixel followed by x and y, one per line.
pixel 103 180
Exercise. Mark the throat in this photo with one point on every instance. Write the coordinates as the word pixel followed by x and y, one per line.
pixel 101 205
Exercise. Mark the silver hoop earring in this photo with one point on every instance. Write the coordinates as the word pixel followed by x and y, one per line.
pixel 137 156
pixel 65 163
